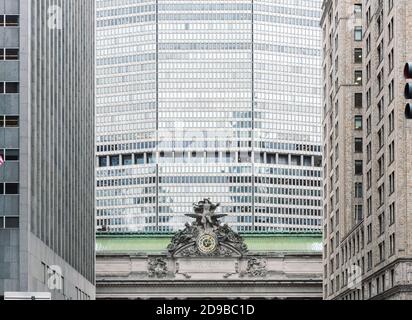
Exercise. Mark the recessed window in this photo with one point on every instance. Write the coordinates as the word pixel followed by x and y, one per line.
pixel 358 190
pixel 139 158
pixel 11 121
pixel 11 188
pixel 102 162
pixel 12 21
pixel 114 161
pixel 358 77
pixel 11 54
pixel 358 122
pixel 11 87
pixel 358 55
pixel 11 222
pixel 358 145
pixel 12 155
pixel 358 100
pixel 357 8
pixel 358 167
pixel 127 159
pixel 358 34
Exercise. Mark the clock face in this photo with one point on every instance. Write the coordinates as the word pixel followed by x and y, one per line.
pixel 206 243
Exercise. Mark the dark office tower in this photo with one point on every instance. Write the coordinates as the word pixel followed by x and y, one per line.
pixel 47 142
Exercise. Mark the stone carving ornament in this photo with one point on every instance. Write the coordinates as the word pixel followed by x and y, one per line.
pixel 206 236
pixel 255 268
pixel 157 268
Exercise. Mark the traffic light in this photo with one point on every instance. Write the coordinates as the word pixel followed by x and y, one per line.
pixel 408 89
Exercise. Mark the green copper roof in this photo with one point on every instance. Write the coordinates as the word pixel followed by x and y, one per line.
pixel 255 242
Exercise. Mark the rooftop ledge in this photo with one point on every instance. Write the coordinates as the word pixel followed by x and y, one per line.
pixel 256 242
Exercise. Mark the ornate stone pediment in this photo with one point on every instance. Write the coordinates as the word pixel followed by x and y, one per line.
pixel 206 236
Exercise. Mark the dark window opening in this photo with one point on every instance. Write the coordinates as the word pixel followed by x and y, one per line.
pixel 12 223
pixel 11 87
pixel 12 21
pixel 12 155
pixel 11 188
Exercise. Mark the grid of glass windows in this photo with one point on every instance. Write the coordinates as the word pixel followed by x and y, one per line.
pixel 217 99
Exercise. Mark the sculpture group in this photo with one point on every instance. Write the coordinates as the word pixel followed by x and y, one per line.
pixel 206 236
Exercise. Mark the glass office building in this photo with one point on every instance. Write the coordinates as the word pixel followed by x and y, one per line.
pixel 217 99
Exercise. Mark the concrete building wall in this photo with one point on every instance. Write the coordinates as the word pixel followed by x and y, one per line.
pixel 9 171
pixel 54 238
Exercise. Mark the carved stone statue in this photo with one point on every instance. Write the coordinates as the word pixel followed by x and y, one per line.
pixel 255 268
pixel 205 214
pixel 206 236
pixel 157 268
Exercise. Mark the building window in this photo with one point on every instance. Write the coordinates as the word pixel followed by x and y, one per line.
pixel 114 161
pixel 391 90
pixel 381 251
pixel 9 54
pixel 9 21
pixel 391 30
pixel 392 278
pixel 358 167
pixel 358 78
pixel 358 213
pixel 358 190
pixel 392 183
pixel 369 152
pixel 358 145
pixel 381 111
pixel 381 166
pixel 391 121
pixel 381 137
pixel 139 158
pixel 369 179
pixel 127 159
pixel 358 34
pixel 11 154
pixel 369 206
pixel 9 121
pixel 381 194
pixel 369 233
pixel 103 161
pixel 11 222
pixel 358 100
pixel 9 87
pixel 392 214
pixel 369 125
pixel 392 244
pixel 392 152
pixel 358 123
pixel 381 221
pixel 358 55
pixel 391 61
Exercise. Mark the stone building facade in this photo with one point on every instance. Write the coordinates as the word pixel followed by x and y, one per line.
pixel 367 163
pixel 208 259
pixel 276 267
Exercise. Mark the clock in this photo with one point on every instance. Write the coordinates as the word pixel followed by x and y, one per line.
pixel 207 243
